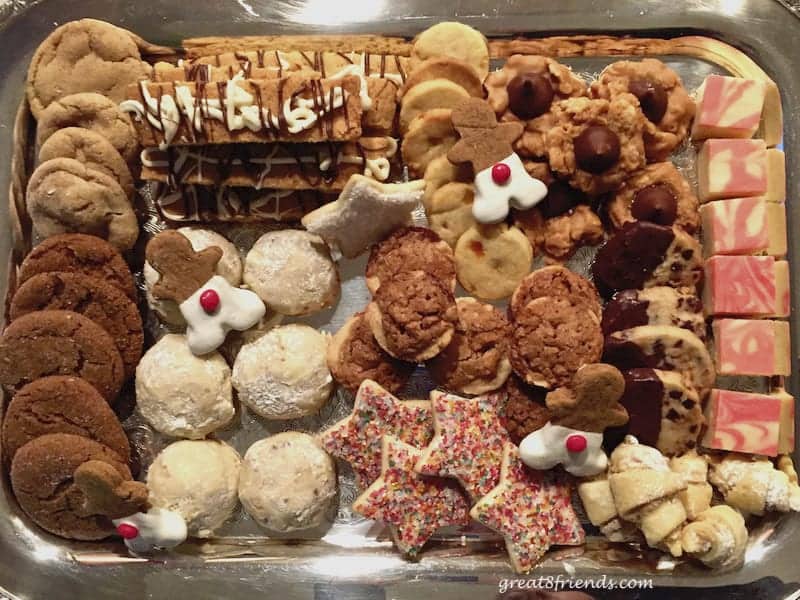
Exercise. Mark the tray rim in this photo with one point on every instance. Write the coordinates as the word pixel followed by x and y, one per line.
pixel 17 185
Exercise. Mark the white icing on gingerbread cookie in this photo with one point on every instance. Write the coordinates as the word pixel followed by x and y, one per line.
pixel 506 184
pixel 158 529
pixel 580 452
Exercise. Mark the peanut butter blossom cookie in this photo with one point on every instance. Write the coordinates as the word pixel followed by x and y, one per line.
pixel 414 507
pixel 357 438
pixel 667 106
pixel 532 510
pixel 468 443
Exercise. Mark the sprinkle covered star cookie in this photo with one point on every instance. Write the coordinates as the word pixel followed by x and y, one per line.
pixel 357 438
pixel 531 510
pixel 414 506
pixel 468 441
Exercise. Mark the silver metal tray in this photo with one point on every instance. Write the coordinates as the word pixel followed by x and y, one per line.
pixel 35 565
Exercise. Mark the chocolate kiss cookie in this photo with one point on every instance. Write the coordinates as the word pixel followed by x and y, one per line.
pixel 42 480
pixel 79 253
pixel 61 404
pixel 530 95
pixel 93 298
pixel 663 412
pixel 662 347
pixel 60 342
pixel 643 254
pixel 659 305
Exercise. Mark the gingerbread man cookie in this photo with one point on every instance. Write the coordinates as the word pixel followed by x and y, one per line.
pixel 500 177
pixel 210 305
pixel 580 414
pixel 108 493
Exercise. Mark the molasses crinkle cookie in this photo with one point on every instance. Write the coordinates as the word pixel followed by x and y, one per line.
pixel 596 144
pixel 659 194
pixel 667 106
pixel 525 90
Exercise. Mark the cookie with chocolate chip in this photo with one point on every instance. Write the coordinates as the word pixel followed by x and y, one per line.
pixel 42 478
pixel 663 100
pixel 643 254
pixel 93 298
pixel 355 356
pixel 79 253
pixel 658 194
pixel 596 144
pixel 61 404
pixel 59 342
pixel 659 305
pixel 476 360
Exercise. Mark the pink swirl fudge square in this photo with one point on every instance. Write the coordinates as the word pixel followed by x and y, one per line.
pixel 751 347
pixel 745 422
pixel 755 286
pixel 728 107
pixel 738 168
pixel 743 226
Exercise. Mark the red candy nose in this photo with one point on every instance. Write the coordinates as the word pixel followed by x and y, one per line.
pixel 576 443
pixel 209 300
pixel 500 173
pixel 127 531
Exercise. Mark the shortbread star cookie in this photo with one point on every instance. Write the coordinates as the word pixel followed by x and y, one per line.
pixel 468 441
pixel 357 438
pixel 413 506
pixel 530 509
pixel 365 212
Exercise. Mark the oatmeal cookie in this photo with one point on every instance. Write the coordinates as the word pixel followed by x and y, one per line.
pixel 491 260
pixel 596 144
pixel 79 253
pixel 413 316
pixel 525 410
pixel 84 56
pixel 354 356
pixel 411 249
pixel 476 360
pixel 60 342
pixel 658 193
pixel 551 339
pixel 667 106
pixel 524 90
pixel 555 282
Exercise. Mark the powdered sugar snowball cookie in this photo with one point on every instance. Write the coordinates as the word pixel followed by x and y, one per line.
pixel 288 482
pixel 284 374
pixel 181 394
pixel 198 479
pixel 292 272
pixel 229 267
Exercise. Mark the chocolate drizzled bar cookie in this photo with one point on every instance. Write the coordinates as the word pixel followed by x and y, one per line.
pixel 324 166
pixel 222 204
pixel 291 109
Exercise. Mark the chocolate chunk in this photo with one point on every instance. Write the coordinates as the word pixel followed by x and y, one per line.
pixel 655 203
pixel 642 399
pixel 624 311
pixel 652 98
pixel 561 198
pixel 530 95
pixel 628 258
pixel 596 149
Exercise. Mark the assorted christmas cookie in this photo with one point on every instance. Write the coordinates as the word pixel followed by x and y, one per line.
pixel 287 482
pixel 596 144
pixel 414 506
pixel 525 410
pixel 659 194
pixel 667 106
pixel 376 413
pixel 659 305
pixel 283 374
pixel 476 360
pixel 453 40
pixel 181 394
pixel 468 441
pixel 531 510
pixel 555 282
pixel 525 90
pixel 198 479
pixel 355 356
